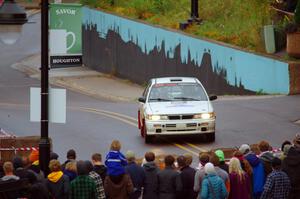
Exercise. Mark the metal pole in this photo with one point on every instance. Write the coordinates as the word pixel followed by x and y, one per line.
pixel 44 146
pixel 194 9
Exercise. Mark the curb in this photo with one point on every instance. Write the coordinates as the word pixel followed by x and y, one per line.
pixel 33 72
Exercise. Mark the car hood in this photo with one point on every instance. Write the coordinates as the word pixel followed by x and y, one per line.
pixel 179 107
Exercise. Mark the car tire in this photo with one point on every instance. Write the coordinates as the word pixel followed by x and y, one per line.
pixel 143 129
pixel 148 139
pixel 210 137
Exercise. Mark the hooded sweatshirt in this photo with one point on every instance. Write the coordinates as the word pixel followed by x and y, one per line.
pixel 120 190
pixel 58 185
pixel 258 174
pixel 115 162
pixel 10 177
pixel 101 170
pixel 151 182
pixel 291 165
pixel 266 158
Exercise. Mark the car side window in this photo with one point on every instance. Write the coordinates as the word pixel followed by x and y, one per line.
pixel 146 90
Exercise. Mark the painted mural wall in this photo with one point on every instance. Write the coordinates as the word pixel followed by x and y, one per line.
pixel 139 51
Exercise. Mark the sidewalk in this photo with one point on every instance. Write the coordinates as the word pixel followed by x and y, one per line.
pixel 84 80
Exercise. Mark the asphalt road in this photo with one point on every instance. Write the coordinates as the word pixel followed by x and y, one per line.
pixel 93 123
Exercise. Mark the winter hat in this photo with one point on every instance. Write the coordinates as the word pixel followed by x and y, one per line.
pixel 53 156
pixel 286 149
pixel 245 148
pixel 34 156
pixel 220 155
pixel 296 141
pixel 17 162
pixel 276 162
pixel 130 156
pixel 209 168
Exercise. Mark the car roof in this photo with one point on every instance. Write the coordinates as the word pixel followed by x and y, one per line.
pixel 163 80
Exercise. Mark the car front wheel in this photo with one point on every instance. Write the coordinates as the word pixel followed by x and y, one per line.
pixel 210 137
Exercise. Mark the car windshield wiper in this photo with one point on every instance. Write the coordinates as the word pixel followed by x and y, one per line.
pixel 159 99
pixel 187 98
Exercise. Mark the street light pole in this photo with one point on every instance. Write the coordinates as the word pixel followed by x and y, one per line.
pixel 44 145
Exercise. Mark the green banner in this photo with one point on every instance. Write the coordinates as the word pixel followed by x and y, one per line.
pixel 65 29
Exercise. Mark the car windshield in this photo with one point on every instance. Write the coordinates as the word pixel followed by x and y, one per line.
pixel 177 92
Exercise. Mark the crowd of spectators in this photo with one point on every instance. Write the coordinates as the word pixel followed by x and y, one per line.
pixel 251 173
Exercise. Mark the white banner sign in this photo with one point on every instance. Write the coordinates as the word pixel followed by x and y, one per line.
pixel 57 105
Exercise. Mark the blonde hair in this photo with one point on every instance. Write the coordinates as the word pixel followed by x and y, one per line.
pixel 54 166
pixel 8 167
pixel 71 166
pixel 235 167
pixel 115 145
pixel 189 158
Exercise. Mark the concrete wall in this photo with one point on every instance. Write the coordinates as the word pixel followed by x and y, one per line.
pixel 138 51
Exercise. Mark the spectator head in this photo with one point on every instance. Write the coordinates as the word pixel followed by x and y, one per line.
pixel 221 155
pixel 276 163
pixel 71 166
pixel 53 156
pixel 244 149
pixel 235 166
pixel 239 155
pixel 169 160
pixel 203 158
pixel 181 161
pixel 71 154
pixel 255 149
pixel 54 166
pixel 31 177
pixel 115 145
pixel 89 165
pixel 286 148
pixel 17 162
pixel 209 168
pixel 296 141
pixel 286 142
pixel 34 156
pixel 264 146
pixel 96 158
pixel 130 156
pixel 189 158
pixel 214 159
pixel 8 168
pixel 81 168
pixel 149 156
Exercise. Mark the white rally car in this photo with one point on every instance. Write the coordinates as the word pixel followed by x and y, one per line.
pixel 173 106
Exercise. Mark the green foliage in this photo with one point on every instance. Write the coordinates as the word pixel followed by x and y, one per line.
pixel 297 13
pixel 236 22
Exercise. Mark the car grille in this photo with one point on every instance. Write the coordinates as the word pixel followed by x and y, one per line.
pixel 180 117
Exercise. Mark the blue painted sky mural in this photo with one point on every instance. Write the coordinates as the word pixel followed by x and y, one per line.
pixel 257 73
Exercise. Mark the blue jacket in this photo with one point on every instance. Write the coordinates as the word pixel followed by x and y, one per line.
pixel 258 174
pixel 115 163
pixel 215 183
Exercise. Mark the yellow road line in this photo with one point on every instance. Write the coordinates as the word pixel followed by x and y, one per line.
pixel 200 149
pixel 118 116
pixel 112 116
pixel 185 149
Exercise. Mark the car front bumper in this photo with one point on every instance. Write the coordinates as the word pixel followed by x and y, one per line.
pixel 180 127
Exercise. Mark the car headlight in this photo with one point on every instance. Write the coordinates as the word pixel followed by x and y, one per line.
pixel 205 116
pixel 156 117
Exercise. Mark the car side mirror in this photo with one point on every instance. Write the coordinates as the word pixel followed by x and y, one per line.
pixel 142 99
pixel 213 97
